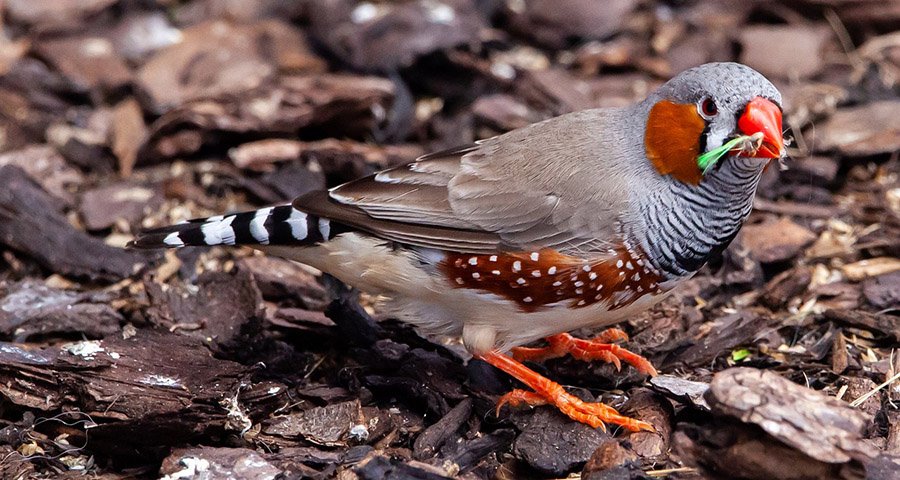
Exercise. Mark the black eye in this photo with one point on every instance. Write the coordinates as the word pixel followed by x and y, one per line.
pixel 708 107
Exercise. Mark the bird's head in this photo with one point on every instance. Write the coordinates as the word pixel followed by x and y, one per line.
pixel 709 114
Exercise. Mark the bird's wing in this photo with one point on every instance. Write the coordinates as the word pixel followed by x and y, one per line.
pixel 536 187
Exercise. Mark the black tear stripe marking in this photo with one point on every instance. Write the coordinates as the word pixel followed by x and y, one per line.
pixel 281 225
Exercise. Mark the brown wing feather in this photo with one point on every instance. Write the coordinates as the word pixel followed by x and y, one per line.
pixel 555 184
pixel 461 240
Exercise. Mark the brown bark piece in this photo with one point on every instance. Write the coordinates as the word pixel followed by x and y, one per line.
pixel 764 49
pixel 820 426
pixel 30 222
pixel 858 131
pixel 552 443
pixel 388 35
pixel 338 105
pixel 776 241
pixel 102 207
pixel 46 167
pixel 328 426
pixel 223 307
pixel 433 438
pixel 90 63
pixel 883 291
pixel 164 386
pixel 128 134
pixel 785 287
pixel 649 406
pixel 885 327
pixel 731 451
pixel 554 23
pixel 30 309
pixel 684 390
pixel 221 462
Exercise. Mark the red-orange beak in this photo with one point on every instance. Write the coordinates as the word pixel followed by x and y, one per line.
pixel 763 116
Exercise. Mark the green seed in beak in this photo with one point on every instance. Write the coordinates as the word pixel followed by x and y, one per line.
pixel 708 159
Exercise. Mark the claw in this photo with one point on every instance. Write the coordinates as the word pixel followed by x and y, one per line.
pixel 598 348
pixel 545 391
pixel 519 397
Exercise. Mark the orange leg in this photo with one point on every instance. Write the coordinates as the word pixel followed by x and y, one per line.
pixel 598 348
pixel 546 391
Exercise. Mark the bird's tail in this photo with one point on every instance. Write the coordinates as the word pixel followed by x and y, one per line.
pixel 281 225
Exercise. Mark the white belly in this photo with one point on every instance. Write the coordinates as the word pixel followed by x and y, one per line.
pixel 414 294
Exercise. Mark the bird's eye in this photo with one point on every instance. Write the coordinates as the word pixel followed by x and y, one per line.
pixel 708 108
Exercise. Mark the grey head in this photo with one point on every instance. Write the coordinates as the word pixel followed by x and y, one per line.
pixel 685 213
pixel 721 93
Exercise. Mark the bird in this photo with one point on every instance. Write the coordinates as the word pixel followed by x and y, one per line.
pixel 581 220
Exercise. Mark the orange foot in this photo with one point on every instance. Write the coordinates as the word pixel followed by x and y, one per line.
pixel 598 348
pixel 546 391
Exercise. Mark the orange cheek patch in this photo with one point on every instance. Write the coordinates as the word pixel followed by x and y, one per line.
pixel 536 279
pixel 672 140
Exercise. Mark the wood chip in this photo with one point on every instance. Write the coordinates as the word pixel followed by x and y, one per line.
pixel 820 426
pixel 776 241
pixel 859 131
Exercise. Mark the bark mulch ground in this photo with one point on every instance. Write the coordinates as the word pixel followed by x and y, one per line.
pixel 777 361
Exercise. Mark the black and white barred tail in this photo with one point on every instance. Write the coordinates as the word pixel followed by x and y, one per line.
pixel 281 225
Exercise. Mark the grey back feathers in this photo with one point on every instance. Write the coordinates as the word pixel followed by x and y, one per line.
pixel 554 184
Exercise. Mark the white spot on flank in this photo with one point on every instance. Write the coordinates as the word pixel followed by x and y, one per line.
pixel 297 221
pixel 527 299
pixel 579 283
pixel 257 225
pixel 324 228
pixel 640 263
pixel 637 277
pixel 173 240
pixel 586 268
pixel 473 260
pixel 629 266
pixel 476 275
pixel 517 266
pixel 551 270
pixel 493 258
pixel 640 289
pixel 599 287
pixel 581 302
pixel 619 264
pixel 495 272
pixel 578 291
pixel 535 256
pixel 521 281
pixel 593 276
pixel 536 273
pixel 557 283
pixel 218 232
pixel 459 280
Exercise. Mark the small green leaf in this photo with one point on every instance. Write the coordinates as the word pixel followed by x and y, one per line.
pixel 740 355
pixel 708 159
